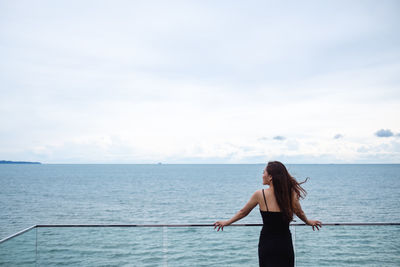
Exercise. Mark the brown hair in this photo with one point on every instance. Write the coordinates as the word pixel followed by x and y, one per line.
pixel 284 186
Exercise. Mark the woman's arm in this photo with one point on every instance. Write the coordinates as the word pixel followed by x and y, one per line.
pixel 240 214
pixel 300 213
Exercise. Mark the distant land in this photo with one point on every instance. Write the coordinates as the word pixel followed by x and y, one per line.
pixel 18 162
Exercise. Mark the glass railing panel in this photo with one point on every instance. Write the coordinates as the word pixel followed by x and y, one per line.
pixel 370 245
pixel 100 246
pixel 19 250
pixel 348 246
pixel 204 246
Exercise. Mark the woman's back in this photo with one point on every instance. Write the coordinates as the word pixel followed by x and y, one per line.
pixel 269 203
pixel 273 218
pixel 275 246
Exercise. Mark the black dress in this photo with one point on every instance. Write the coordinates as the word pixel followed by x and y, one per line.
pixel 275 247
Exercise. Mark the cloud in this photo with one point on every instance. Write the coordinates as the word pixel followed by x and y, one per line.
pixel 384 133
pixel 133 83
pixel 292 145
pixel 338 136
pixel 363 149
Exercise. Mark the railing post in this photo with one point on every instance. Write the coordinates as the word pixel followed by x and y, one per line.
pixel 165 246
pixel 36 249
pixel 294 245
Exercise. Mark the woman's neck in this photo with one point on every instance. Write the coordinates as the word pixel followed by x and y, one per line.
pixel 271 186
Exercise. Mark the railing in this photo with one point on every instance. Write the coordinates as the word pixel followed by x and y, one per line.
pixel 336 244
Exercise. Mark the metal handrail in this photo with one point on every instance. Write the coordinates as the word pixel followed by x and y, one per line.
pixel 18 233
pixel 204 225
pixel 184 225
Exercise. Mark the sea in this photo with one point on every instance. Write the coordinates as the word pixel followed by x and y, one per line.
pixel 45 194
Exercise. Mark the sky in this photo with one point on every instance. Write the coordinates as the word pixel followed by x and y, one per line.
pixel 200 81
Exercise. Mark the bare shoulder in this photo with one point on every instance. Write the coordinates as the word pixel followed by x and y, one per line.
pixel 257 194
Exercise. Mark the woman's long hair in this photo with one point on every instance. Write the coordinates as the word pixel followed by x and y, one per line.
pixel 284 186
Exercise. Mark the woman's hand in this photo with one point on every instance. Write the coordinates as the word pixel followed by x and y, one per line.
pixel 221 225
pixel 315 224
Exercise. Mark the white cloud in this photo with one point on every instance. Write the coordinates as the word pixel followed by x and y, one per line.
pixel 184 81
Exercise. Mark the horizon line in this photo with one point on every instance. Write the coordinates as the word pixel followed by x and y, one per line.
pixel 166 163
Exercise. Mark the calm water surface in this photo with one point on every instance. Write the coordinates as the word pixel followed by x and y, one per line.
pixel 178 194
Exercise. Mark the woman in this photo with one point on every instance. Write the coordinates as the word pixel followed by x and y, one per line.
pixel 277 205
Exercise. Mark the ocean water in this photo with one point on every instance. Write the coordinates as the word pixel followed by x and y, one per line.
pixel 187 194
